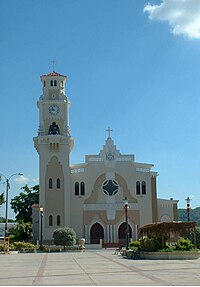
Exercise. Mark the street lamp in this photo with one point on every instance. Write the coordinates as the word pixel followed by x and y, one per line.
pixel 41 229
pixel 126 207
pixel 188 207
pixel 6 237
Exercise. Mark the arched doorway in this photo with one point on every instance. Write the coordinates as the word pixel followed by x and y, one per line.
pixel 165 218
pixel 96 233
pixel 122 233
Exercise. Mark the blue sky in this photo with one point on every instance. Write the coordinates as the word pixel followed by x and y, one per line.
pixel 130 65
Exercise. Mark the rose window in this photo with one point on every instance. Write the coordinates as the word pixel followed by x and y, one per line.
pixel 110 187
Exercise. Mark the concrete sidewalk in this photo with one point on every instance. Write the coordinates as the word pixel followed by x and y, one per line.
pixel 95 268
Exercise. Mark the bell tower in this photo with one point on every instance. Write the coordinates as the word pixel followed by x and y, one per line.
pixel 54 144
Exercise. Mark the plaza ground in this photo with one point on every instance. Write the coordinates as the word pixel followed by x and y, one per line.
pixel 95 267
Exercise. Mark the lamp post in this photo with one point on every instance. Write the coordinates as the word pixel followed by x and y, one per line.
pixel 188 207
pixel 6 237
pixel 126 207
pixel 41 228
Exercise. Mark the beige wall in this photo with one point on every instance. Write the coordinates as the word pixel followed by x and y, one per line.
pixel 175 212
pixel 54 198
pixel 167 210
pixel 80 212
pixel 154 200
pixel 94 174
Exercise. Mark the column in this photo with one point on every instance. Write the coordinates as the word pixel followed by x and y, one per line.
pixel 108 233
pixel 111 234
pixel 136 232
pixel 115 237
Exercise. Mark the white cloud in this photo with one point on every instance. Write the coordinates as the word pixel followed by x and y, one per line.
pixel 182 15
pixel 35 180
pixel 22 179
pixel 26 180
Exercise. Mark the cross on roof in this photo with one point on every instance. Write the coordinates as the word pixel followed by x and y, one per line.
pixel 53 64
pixel 109 130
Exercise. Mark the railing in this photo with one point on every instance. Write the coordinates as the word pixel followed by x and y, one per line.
pixel 95 159
pixel 140 169
pixel 77 170
pixel 100 159
pixel 128 158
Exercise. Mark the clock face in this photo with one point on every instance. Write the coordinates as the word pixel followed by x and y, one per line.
pixel 54 110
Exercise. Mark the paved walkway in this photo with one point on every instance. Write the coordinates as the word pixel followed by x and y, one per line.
pixel 95 268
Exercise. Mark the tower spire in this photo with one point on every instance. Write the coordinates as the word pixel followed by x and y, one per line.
pixel 53 64
pixel 109 130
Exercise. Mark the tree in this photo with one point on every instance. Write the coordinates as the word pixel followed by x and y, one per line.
pixel 22 203
pixel 23 231
pixel 2 199
pixel 65 236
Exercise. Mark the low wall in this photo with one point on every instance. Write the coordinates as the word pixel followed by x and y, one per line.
pixel 179 255
pixel 93 246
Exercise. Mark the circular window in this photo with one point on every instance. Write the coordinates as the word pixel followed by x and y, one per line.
pixel 110 187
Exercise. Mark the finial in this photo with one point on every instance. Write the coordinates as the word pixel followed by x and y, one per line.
pixel 53 64
pixel 109 130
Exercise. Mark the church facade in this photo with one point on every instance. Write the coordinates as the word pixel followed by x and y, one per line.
pixel 89 197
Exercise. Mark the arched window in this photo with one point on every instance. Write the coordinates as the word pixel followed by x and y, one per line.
pixel 76 188
pixel 138 188
pixel 51 83
pixel 50 183
pixel 55 83
pixel 44 84
pixel 58 220
pixel 50 220
pixel 82 188
pixel 62 84
pixel 58 183
pixel 143 187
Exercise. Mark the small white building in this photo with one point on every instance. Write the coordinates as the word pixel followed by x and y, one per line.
pixel 89 197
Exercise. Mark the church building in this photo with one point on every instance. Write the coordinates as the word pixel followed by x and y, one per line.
pixel 89 197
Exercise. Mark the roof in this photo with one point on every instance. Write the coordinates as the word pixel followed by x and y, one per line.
pixel 53 74
pixel 165 227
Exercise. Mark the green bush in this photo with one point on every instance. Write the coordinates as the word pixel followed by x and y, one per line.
pixel 18 246
pixel 168 249
pixel 11 247
pixel 134 245
pixel 65 236
pixel 21 244
pixel 153 243
pixel 184 245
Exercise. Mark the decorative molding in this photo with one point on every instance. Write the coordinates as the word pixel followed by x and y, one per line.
pixel 140 169
pixel 109 206
pixel 77 170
